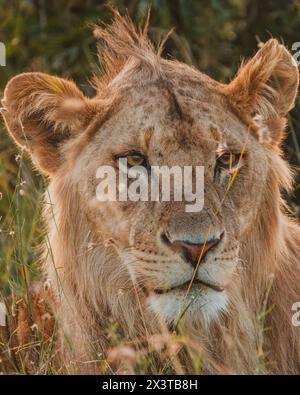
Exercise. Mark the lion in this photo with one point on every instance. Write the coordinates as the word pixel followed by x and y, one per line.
pixel 227 276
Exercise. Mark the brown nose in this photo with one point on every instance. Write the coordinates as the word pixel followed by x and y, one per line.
pixel 192 252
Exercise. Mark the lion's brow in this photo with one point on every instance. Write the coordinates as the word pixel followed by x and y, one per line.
pixel 148 133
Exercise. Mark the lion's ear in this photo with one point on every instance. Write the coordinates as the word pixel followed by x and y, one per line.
pixel 266 88
pixel 42 112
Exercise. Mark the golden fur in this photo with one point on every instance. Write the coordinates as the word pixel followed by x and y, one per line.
pixel 104 260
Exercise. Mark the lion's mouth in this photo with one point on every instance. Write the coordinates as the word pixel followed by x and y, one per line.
pixel 185 285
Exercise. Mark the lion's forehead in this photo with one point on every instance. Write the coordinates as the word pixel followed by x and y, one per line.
pixel 182 125
pixel 177 121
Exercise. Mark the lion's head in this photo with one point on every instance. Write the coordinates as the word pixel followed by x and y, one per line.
pixel 157 112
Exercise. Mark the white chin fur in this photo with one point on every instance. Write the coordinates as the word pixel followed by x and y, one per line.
pixel 204 305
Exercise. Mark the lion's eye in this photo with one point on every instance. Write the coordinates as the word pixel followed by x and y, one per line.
pixel 229 160
pixel 136 159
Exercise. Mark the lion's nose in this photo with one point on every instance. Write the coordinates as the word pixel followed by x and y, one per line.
pixel 191 251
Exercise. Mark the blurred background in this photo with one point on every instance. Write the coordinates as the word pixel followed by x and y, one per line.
pixel 54 37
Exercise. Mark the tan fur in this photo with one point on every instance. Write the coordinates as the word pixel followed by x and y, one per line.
pixel 104 260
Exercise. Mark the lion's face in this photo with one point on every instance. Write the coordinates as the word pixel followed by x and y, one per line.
pixel 156 113
pixel 159 242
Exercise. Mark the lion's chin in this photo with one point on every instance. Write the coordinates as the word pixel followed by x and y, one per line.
pixel 201 305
